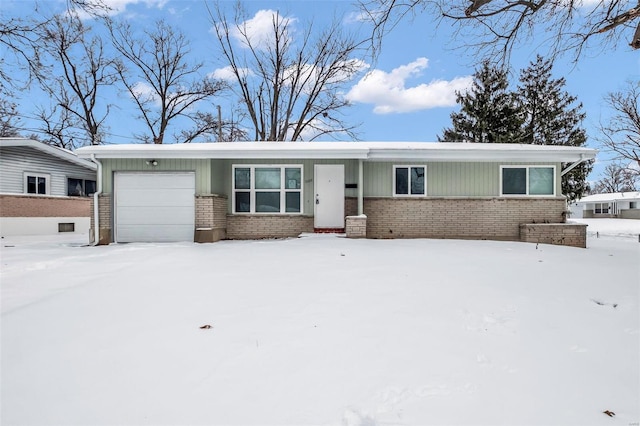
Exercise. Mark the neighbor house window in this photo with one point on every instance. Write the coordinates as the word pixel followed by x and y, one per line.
pixel 36 183
pixel 633 204
pixel 267 189
pixel 527 180
pixel 80 187
pixel 601 208
pixel 409 180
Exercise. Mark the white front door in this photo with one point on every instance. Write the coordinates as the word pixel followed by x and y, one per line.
pixel 328 196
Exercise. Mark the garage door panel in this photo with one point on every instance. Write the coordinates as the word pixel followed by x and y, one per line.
pixel 169 215
pixel 151 233
pixel 154 207
pixel 155 197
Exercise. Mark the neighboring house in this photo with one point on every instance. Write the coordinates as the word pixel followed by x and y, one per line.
pixel 246 190
pixel 624 205
pixel 43 189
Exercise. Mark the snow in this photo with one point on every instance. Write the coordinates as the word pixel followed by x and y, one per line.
pixel 322 330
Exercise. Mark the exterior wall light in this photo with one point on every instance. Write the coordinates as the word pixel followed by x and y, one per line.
pixel 152 163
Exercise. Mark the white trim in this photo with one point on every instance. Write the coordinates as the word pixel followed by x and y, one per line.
pixel 527 167
pixel 47 182
pixel 52 150
pixel 283 190
pixel 370 151
pixel 408 166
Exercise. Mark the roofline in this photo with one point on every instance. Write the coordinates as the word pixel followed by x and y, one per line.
pixel 367 151
pixel 48 149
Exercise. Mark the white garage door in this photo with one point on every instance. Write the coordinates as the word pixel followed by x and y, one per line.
pixel 154 207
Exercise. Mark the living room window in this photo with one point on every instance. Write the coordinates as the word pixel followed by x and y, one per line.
pixel 267 189
pixel 36 183
pixel 80 187
pixel 409 181
pixel 601 208
pixel 527 180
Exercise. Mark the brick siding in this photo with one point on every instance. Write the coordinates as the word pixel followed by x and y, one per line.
pixel 246 227
pixel 104 206
pixel 44 206
pixel 464 218
pixel 565 234
pixel 211 218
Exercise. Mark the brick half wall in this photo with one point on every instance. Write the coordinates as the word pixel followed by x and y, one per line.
pixel 249 227
pixel 461 218
pixel 43 206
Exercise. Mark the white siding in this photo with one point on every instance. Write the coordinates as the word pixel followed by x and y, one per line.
pixel 15 161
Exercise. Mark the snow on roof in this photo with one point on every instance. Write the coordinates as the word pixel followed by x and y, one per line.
pixel 613 196
pixel 381 151
pixel 61 153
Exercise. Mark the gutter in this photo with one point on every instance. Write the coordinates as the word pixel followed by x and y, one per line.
pixel 573 165
pixel 96 210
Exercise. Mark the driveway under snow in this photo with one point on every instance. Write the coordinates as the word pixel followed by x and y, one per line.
pixel 322 330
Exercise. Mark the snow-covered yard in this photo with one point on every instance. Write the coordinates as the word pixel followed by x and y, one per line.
pixel 322 330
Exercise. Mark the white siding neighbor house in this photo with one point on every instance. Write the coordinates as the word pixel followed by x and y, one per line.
pixel 624 205
pixel 245 190
pixel 43 189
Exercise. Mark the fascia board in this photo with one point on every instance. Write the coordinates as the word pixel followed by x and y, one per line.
pixel 481 155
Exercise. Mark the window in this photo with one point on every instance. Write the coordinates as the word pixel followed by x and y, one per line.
pixel 601 208
pixel 267 189
pixel 80 187
pixel 36 183
pixel 527 180
pixel 633 204
pixel 409 180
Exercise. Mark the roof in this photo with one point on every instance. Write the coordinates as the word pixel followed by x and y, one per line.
pixel 371 151
pixel 61 153
pixel 613 196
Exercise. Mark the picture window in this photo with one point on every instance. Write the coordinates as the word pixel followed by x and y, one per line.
pixel 267 189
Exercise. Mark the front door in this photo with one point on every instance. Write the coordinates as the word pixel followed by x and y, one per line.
pixel 329 196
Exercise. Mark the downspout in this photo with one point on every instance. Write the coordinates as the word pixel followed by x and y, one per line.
pixel 360 189
pixel 96 210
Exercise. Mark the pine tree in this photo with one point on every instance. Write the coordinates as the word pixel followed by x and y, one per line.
pixel 488 113
pixel 553 117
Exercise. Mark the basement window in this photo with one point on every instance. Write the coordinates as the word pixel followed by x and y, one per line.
pixel 66 227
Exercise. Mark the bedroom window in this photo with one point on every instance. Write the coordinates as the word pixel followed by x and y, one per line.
pixel 80 187
pixel 267 189
pixel 409 181
pixel 36 183
pixel 527 180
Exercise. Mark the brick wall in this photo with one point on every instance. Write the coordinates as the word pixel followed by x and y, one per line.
pixel 104 205
pixel 211 218
pixel 565 234
pixel 44 206
pixel 243 227
pixel 356 226
pixel 465 218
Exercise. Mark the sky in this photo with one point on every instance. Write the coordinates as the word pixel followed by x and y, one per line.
pixel 407 94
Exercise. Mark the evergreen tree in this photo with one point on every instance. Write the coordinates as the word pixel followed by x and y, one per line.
pixel 488 113
pixel 553 117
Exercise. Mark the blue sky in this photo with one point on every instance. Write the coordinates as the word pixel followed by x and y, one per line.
pixel 409 92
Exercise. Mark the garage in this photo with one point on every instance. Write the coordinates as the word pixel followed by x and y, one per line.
pixel 154 207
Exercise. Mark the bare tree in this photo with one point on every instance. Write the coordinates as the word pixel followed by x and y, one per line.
pixel 158 74
pixel 59 127
pixel 621 133
pixel 21 38
pixel 495 27
pixel 617 178
pixel 79 72
pixel 291 88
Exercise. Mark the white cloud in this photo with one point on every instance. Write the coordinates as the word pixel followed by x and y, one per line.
pixel 115 7
pixel 227 73
pixel 389 94
pixel 144 91
pixel 259 29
